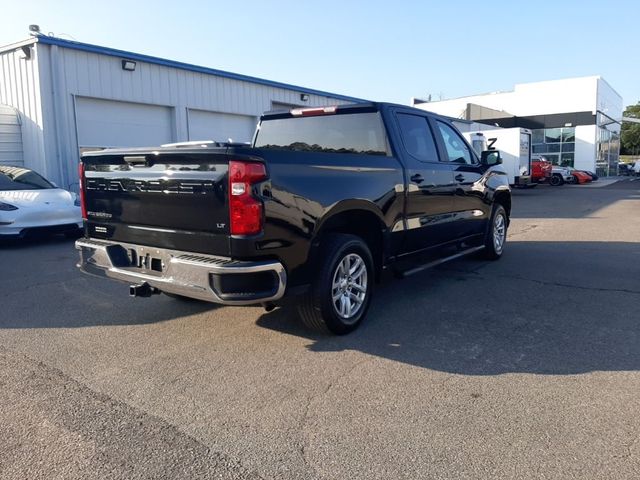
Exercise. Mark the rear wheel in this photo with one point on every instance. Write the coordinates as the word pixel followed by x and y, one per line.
pixel 341 293
pixel 575 180
pixel 556 180
pixel 496 234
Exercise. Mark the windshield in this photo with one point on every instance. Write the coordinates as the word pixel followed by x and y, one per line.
pixel 18 178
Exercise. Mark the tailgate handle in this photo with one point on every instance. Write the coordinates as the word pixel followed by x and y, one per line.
pixel 136 160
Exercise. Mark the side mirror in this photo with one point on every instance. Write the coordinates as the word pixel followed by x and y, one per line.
pixel 490 158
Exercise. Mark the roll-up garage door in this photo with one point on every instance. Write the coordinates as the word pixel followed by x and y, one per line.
pixel 221 127
pixel 10 137
pixel 109 123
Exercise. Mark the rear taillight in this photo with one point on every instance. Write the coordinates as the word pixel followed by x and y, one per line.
pixel 83 204
pixel 245 211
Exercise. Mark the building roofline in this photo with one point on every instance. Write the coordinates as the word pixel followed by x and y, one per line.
pixel 502 92
pixel 86 47
pixel 16 45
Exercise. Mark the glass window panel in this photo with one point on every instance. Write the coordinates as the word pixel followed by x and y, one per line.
pixel 457 150
pixel 569 134
pixel 541 148
pixel 568 147
pixel 537 136
pixel 553 147
pixel 343 133
pixel 417 137
pixel 567 160
pixel 552 135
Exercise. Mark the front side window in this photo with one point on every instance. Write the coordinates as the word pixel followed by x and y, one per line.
pixel 361 133
pixel 457 150
pixel 417 137
pixel 18 178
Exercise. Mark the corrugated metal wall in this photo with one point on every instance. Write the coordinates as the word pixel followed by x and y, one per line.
pixel 10 136
pixel 19 88
pixel 74 73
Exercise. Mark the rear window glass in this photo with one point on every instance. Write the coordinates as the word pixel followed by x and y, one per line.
pixel 17 178
pixel 347 133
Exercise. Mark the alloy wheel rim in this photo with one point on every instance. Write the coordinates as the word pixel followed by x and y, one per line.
pixel 349 286
pixel 499 232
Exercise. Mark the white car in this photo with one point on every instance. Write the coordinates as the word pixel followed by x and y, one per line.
pixel 560 175
pixel 30 204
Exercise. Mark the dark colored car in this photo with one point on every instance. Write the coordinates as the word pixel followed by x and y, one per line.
pixel 322 202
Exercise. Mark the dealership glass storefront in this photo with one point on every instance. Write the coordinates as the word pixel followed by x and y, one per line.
pixel 558 145
pixel 607 145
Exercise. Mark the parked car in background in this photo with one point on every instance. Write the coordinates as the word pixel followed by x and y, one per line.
pixel 560 176
pixel 29 203
pixel 579 176
pixel 541 170
pixel 625 168
pixel 593 175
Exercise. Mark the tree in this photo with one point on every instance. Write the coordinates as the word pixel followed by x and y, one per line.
pixel 630 134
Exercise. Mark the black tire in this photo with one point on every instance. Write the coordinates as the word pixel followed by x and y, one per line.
pixel 493 249
pixel 556 181
pixel 574 180
pixel 317 309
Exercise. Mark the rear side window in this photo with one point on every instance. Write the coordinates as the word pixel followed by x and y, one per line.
pixel 347 133
pixel 417 137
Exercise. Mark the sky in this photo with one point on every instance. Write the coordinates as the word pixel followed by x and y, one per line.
pixel 377 50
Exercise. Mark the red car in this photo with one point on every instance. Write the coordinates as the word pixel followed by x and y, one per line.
pixel 540 170
pixel 580 177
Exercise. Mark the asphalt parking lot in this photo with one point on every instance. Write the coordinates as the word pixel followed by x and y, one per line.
pixel 524 368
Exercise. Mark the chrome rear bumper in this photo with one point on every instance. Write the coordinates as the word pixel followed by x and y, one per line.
pixel 205 277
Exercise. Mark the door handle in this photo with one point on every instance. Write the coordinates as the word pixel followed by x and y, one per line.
pixel 459 177
pixel 417 178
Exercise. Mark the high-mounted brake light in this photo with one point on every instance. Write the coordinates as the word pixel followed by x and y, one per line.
pixel 311 112
pixel 83 203
pixel 245 211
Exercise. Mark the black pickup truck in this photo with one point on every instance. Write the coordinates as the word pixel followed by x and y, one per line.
pixel 322 202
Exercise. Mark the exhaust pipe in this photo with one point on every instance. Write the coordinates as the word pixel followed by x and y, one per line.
pixel 142 290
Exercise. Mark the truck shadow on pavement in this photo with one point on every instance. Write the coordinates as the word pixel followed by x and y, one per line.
pixel 56 295
pixel 545 308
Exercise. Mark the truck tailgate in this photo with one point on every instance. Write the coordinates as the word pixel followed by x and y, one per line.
pixel 168 200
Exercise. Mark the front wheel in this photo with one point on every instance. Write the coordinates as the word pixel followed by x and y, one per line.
pixel 496 236
pixel 341 293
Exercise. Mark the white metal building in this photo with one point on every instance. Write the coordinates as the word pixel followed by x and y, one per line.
pixel 574 122
pixel 67 96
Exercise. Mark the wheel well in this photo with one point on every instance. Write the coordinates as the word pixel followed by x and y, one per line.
pixel 504 199
pixel 361 223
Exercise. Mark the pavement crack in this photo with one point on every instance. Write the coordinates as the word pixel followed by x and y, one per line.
pixel 302 447
pixel 523 230
pixel 108 435
pixel 568 285
pixel 480 276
